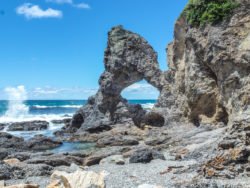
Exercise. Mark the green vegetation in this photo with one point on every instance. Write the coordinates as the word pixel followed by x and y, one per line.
pixel 201 12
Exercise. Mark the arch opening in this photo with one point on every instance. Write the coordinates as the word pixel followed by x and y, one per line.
pixel 141 93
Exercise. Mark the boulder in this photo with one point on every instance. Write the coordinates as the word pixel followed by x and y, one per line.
pixel 28 126
pixel 94 159
pixel 9 141
pixel 154 119
pixel 80 178
pixel 2 126
pixel 100 154
pixel 5 171
pixel 40 142
pixel 145 156
pixel 20 170
pixel 3 153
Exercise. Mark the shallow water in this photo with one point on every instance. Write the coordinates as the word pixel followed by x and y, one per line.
pixel 73 147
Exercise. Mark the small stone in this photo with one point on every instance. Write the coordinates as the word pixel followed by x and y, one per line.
pixel 2 183
pixel 114 159
pixel 12 162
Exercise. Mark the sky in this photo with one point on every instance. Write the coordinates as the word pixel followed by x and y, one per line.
pixel 55 48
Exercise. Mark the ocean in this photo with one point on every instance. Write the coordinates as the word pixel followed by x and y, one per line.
pixel 45 110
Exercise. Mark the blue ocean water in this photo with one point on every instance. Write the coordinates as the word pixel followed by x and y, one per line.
pixel 48 110
pixel 60 107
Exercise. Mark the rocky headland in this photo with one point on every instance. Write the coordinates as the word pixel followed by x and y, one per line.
pixel 197 134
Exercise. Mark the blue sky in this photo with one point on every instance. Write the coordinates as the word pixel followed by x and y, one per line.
pixel 55 47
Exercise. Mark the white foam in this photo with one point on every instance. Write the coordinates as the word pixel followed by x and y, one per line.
pixel 63 106
pixel 148 105
pixel 41 117
pixel 16 106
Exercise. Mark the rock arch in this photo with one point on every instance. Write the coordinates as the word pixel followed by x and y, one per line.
pixel 128 59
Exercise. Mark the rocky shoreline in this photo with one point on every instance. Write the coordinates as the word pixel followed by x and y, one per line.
pixel 197 134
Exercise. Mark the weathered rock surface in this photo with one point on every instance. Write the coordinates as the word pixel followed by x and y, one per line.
pixel 80 178
pixel 9 141
pixel 210 83
pixel 28 126
pixel 55 160
pixel 117 141
pixel 40 142
pixel 207 85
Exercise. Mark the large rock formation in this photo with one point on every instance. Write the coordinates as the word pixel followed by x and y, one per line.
pixel 207 83
pixel 128 59
pixel 210 68
pixel 207 80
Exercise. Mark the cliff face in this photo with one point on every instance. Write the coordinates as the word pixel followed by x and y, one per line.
pixel 210 71
pixel 210 68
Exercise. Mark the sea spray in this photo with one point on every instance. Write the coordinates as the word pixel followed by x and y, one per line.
pixel 16 106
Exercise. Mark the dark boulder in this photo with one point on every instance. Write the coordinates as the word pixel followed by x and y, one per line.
pixel 98 127
pixel 154 119
pixel 9 141
pixel 3 153
pixel 145 156
pixel 2 126
pixel 28 126
pixel 21 156
pixel 6 171
pixel 40 142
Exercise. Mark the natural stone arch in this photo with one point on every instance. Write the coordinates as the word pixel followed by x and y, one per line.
pixel 128 59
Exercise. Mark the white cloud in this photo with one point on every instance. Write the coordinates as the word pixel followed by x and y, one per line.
pixel 82 6
pixel 60 1
pixel 140 91
pixel 45 91
pixel 49 92
pixel 71 2
pixel 34 11
pixel 140 87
